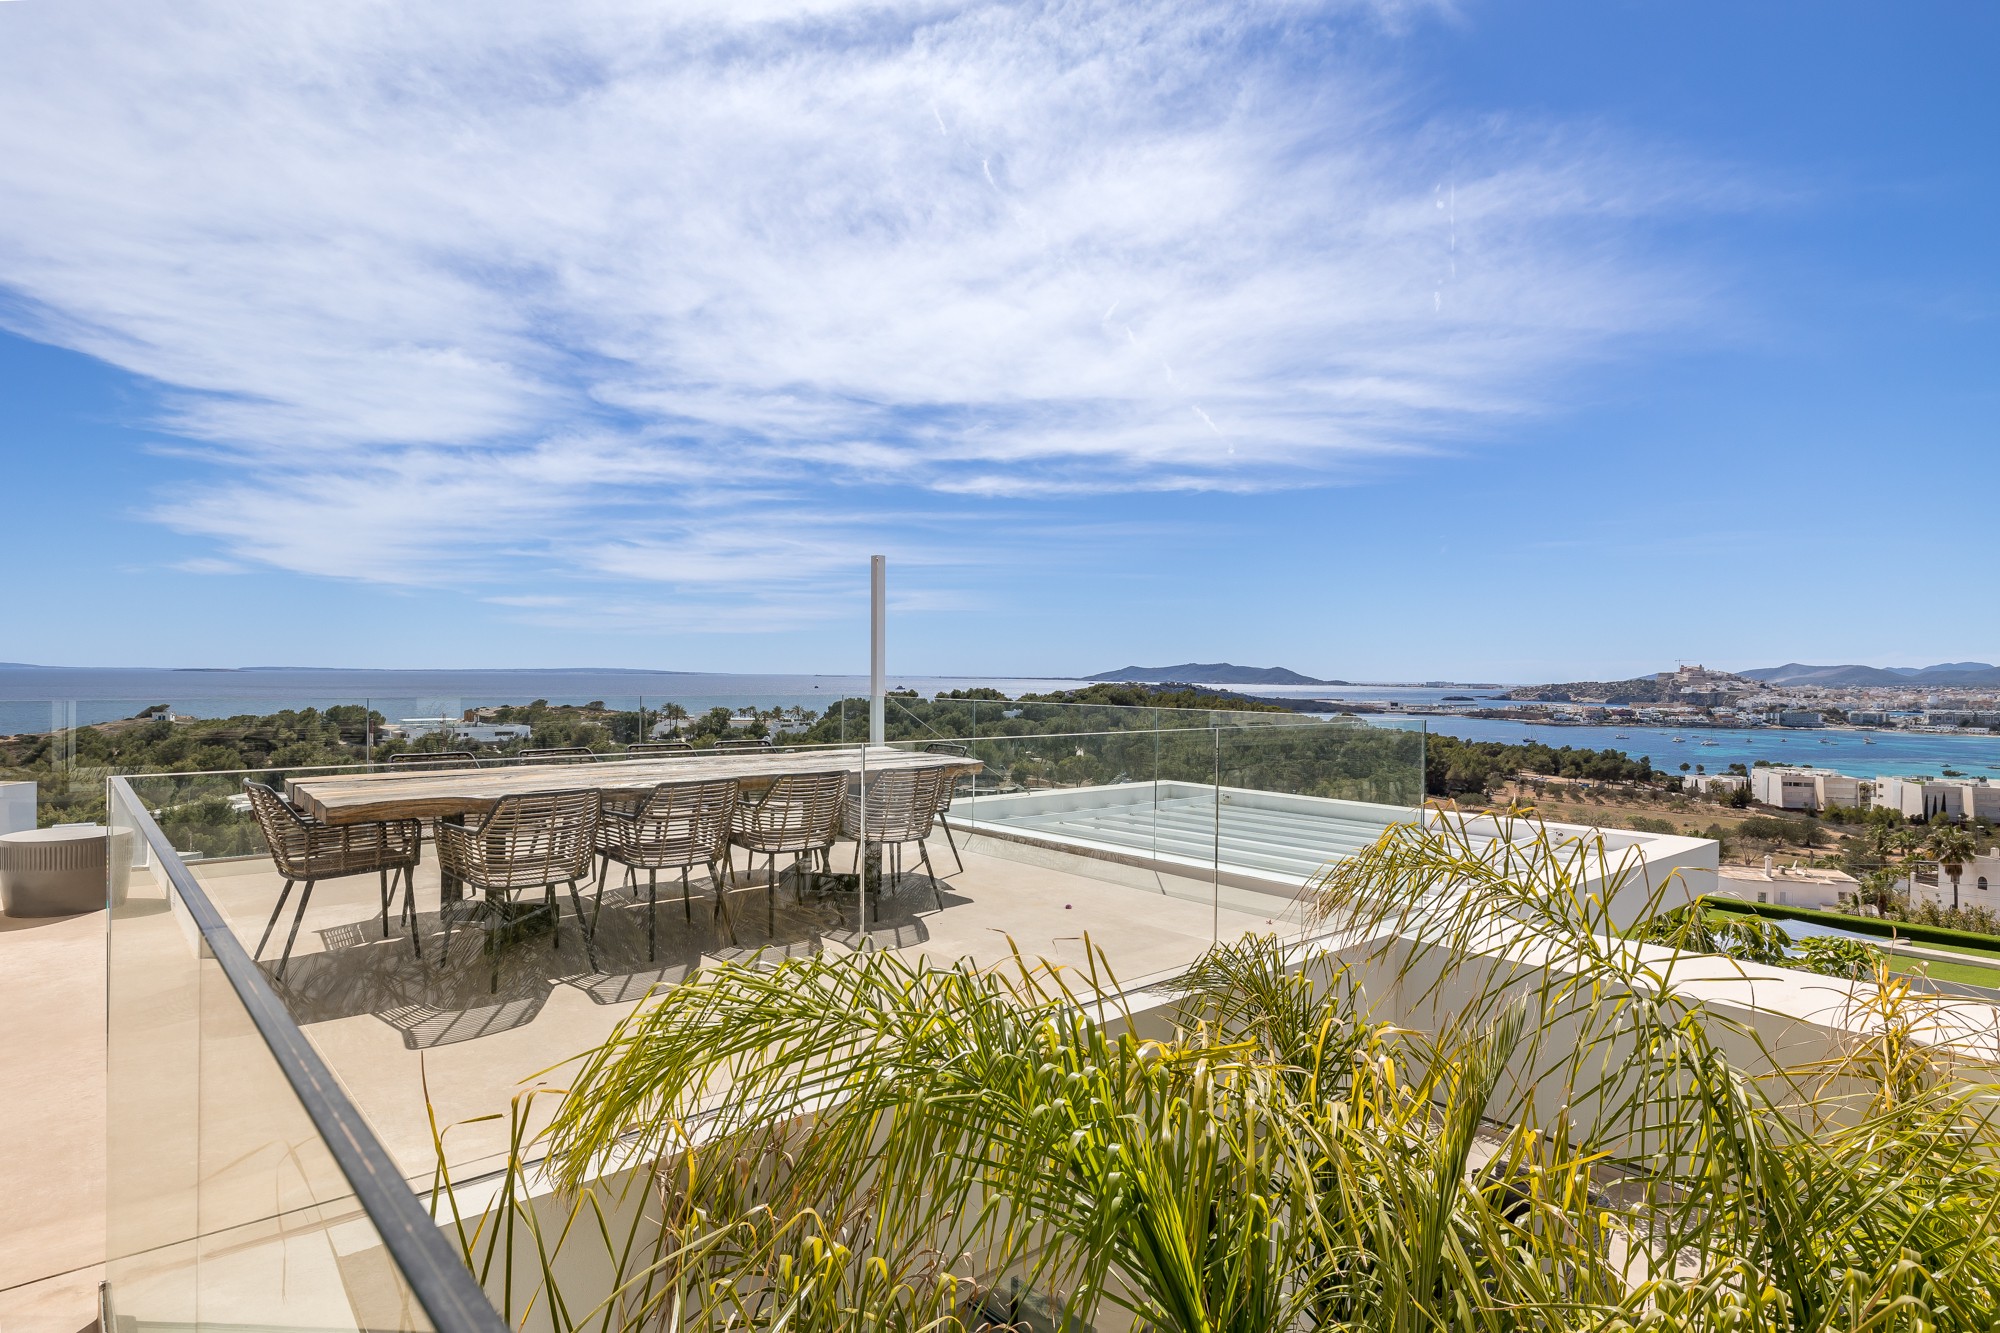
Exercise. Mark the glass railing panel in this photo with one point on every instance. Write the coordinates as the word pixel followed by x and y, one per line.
pixel 1098 806
pixel 152 1089
pixel 459 1024
pixel 912 718
pixel 55 755
pixel 1291 801
pixel 225 1204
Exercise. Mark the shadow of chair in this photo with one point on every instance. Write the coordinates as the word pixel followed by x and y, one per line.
pixel 356 975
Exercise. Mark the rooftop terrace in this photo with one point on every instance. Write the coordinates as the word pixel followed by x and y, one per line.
pixel 236 1195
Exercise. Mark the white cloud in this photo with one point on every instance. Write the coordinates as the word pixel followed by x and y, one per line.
pixel 467 295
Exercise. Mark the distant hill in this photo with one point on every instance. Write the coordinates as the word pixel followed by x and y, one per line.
pixel 1212 673
pixel 1944 673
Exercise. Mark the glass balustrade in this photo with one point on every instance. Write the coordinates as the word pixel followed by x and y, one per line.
pixel 1129 837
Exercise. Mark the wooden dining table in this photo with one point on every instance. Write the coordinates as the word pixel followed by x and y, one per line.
pixel 360 798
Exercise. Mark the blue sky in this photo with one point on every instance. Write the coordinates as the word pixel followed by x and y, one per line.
pixel 1390 341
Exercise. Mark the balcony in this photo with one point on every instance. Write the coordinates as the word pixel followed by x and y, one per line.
pixel 272 1139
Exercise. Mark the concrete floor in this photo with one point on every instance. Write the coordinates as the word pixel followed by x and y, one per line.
pixel 52 1169
pixel 395 1029
pixel 203 1114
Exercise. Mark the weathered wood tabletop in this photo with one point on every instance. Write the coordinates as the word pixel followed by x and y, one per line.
pixel 359 798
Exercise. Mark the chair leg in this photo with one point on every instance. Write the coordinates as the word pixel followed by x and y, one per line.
pixel 924 852
pixel 652 914
pixel 298 915
pixel 589 928
pixel 492 950
pixel 721 903
pixel 687 908
pixel 952 843
pixel 271 925
pixel 410 910
pixel 383 875
pixel 603 869
pixel 770 893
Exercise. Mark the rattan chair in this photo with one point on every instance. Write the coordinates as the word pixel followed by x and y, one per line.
pixel 947 788
pixel 898 806
pixel 798 814
pixel 763 744
pixel 434 759
pixel 561 754
pixel 679 826
pixel 643 748
pixel 534 840
pixel 309 851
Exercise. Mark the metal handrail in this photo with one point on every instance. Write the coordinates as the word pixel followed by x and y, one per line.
pixel 436 1274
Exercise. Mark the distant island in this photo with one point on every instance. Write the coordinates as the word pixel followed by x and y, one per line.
pixel 1211 673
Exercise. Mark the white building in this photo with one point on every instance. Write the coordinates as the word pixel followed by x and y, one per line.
pixel 1932 798
pixel 478 733
pixel 1804 788
pixel 1978 884
pixel 1788 886
pixel 1710 783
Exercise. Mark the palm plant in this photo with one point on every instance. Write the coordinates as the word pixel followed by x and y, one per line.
pixel 1556 1133
pixel 1695 928
pixel 1952 846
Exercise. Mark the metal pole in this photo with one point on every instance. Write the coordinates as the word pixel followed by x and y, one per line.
pixel 877 648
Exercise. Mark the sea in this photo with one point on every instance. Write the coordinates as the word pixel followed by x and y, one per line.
pixel 38 699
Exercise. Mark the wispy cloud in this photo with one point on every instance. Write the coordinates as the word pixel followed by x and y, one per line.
pixel 644 296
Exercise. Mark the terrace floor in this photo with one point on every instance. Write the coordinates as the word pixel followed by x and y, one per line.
pixel 396 1030
pixel 52 1167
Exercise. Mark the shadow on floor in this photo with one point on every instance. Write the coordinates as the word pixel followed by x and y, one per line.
pixel 628 951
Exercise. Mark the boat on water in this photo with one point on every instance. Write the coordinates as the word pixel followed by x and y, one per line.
pixel 1680 740
pixel 1826 742
pixel 1711 742
pixel 1866 741
pixel 1621 736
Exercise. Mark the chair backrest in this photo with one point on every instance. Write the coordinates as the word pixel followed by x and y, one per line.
pixel 899 805
pixel 799 810
pixel 561 754
pixel 947 782
pixel 763 744
pixel 435 759
pixel 658 747
pixel 697 813
pixel 285 830
pixel 540 837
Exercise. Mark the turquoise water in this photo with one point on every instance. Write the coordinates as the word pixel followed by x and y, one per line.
pixel 1861 754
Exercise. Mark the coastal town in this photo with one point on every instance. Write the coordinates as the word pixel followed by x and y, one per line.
pixel 1695 696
